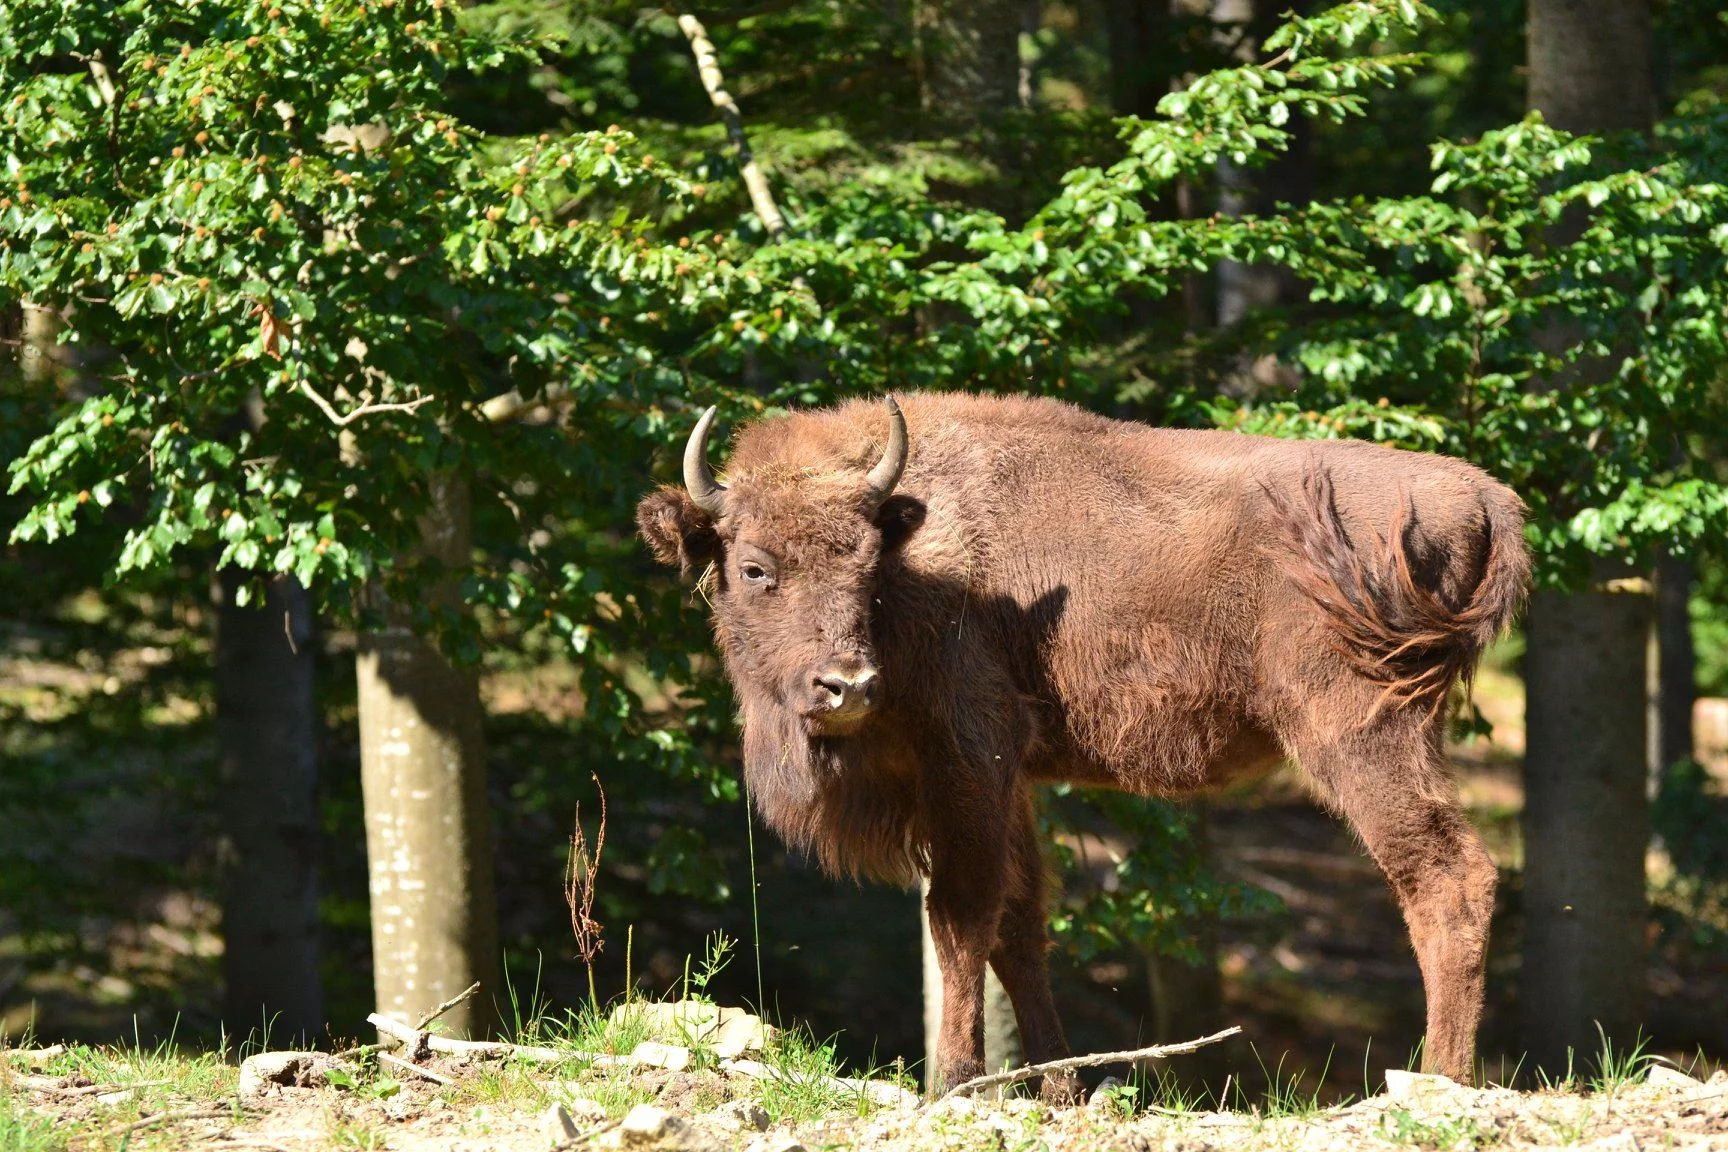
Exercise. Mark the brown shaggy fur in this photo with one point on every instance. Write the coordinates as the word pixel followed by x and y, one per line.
pixel 1051 595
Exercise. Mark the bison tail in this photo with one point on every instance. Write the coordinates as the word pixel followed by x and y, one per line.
pixel 1390 626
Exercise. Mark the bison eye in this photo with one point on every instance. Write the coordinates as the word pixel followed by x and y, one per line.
pixel 756 574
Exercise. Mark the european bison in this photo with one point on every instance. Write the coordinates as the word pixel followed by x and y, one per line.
pixel 925 614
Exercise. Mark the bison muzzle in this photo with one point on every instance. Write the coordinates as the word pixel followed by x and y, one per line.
pixel 925 613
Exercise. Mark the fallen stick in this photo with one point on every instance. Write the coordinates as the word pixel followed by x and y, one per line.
pixel 1155 1052
pixel 202 1112
pixel 447 1005
pixel 423 1073
pixel 418 1039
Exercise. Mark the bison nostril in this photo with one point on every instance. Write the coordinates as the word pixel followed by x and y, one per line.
pixel 868 685
pixel 836 688
pixel 845 691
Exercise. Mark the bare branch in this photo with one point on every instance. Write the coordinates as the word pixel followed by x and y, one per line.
pixel 418 1040
pixel 1156 1051
pixel 342 421
pixel 424 1073
pixel 447 1005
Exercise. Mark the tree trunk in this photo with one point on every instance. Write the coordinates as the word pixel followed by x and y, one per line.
pixel 267 736
pixel 1584 822
pixel 423 778
pixel 1141 52
pixel 1675 679
pixel 968 57
pixel 1585 825
pixel 1243 288
pixel 1590 64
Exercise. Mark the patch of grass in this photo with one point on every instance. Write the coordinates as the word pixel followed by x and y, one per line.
pixel 616 1090
pixel 1158 1089
pixel 804 1085
pixel 1611 1070
pixel 1285 1098
pixel 23 1130
pixel 1401 1126
pixel 1617 1069
pixel 356 1136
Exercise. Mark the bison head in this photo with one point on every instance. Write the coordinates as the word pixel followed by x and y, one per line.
pixel 789 557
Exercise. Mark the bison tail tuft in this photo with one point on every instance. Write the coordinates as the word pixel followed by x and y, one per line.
pixel 1392 627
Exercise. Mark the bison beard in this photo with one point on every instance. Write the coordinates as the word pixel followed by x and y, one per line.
pixel 925 615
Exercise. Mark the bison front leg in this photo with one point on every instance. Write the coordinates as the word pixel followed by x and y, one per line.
pixel 965 903
pixel 1021 956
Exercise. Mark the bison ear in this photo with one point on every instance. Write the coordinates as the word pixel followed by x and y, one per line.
pixel 899 517
pixel 676 530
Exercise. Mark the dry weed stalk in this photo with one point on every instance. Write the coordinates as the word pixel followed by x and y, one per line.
pixel 580 872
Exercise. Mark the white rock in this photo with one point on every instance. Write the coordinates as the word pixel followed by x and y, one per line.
pixel 780 1142
pixel 1405 1087
pixel 883 1093
pixel 649 1128
pixel 1102 1099
pixel 267 1070
pixel 728 1032
pixel 1670 1079
pixel 653 1054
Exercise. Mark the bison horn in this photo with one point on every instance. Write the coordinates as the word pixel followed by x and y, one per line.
pixel 706 492
pixel 886 474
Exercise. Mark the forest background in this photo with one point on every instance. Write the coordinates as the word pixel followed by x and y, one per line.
pixel 336 328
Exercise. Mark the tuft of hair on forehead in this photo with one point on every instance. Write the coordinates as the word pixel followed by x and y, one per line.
pixel 782 474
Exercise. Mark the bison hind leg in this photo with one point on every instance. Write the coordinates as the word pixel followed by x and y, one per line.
pixel 1393 785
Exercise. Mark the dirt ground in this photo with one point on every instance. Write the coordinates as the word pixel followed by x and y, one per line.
pixel 512 1110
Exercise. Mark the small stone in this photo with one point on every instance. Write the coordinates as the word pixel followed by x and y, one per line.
pixel 1670 1079
pixel 779 1142
pixel 653 1054
pixel 1405 1087
pixel 558 1125
pixel 741 1116
pixel 646 1122
pixel 267 1070
pixel 728 1032
pixel 649 1128
pixel 1104 1096
pixel 887 1094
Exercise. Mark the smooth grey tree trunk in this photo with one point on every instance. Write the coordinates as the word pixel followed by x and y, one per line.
pixel 1585 820
pixel 267 739
pixel 428 835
